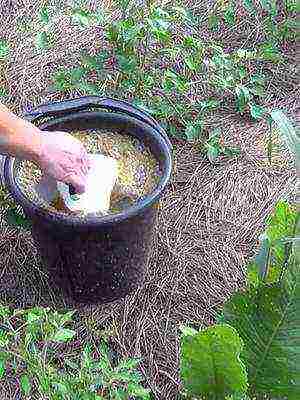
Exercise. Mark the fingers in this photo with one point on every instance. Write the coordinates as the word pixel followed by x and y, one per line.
pixel 77 180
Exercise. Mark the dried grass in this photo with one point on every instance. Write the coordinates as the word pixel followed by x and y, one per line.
pixel 209 222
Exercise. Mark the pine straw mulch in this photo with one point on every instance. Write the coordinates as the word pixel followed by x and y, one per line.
pixel 207 230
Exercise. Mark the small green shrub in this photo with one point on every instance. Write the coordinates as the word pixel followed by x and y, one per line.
pixel 33 350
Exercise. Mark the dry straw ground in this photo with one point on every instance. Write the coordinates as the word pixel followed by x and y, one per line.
pixel 209 220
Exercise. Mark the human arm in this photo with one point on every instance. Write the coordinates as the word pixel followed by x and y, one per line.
pixel 58 155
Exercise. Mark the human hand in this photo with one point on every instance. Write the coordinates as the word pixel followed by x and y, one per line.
pixel 64 158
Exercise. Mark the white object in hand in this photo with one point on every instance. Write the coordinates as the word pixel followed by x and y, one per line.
pixel 101 179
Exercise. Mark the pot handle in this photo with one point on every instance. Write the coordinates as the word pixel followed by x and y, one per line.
pixel 85 103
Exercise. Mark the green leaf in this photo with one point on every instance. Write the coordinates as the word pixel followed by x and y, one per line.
pixel 257 111
pixel 269 52
pixel 2 367
pixel 3 92
pixel 127 64
pixel 210 363
pixel 209 104
pixel 213 22
pixel 83 17
pixel 269 6
pixel 212 152
pixel 229 15
pixel 288 133
pixel 15 219
pixel 95 63
pixel 193 130
pixel 4 49
pixel 138 391
pixel 243 98
pixel 250 6
pixel 267 319
pixel 44 15
pixel 25 384
pixel 43 41
pixel 128 364
pixel 172 81
pixel 63 335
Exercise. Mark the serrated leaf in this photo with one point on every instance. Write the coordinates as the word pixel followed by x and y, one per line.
pixel 257 111
pixel 4 49
pixel 210 363
pixel 25 384
pixel 63 335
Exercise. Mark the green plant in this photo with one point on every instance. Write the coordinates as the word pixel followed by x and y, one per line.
pixel 4 49
pixel 33 348
pixel 261 328
pixel 44 39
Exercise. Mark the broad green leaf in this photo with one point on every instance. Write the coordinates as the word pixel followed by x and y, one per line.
pixel 210 363
pixel 267 319
pixel 25 384
pixel 172 81
pixel 257 111
pixel 4 49
pixel 63 335
pixel 14 218
pixel 188 331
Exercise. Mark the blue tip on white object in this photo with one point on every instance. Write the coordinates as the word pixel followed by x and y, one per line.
pixel 101 180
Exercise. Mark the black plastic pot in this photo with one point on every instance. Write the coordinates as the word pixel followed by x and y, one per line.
pixel 96 260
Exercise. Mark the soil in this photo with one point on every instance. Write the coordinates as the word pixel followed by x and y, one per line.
pixel 138 170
